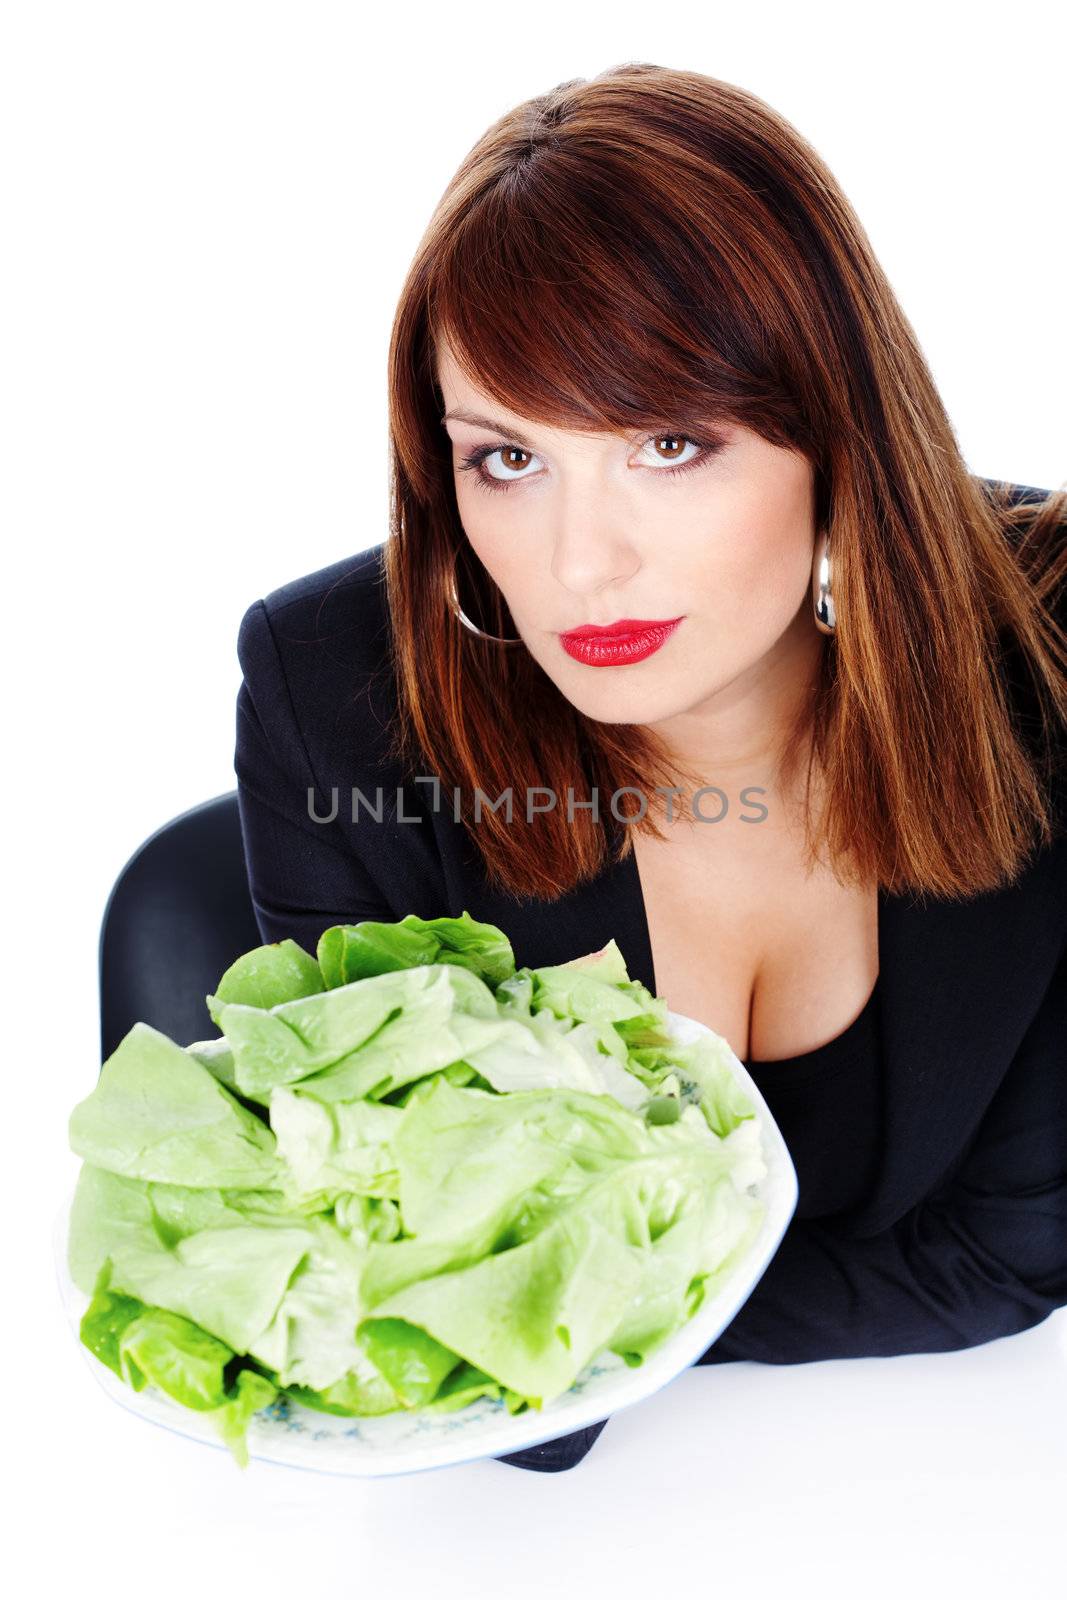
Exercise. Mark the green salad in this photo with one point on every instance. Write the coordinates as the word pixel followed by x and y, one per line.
pixel 406 1174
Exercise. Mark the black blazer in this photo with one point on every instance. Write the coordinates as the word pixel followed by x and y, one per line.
pixel 964 1238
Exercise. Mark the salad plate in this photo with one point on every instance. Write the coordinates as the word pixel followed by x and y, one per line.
pixel 291 1434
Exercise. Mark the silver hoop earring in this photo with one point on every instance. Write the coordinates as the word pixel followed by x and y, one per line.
pixel 822 596
pixel 454 606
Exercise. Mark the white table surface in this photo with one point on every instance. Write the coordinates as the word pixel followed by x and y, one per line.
pixel 942 1475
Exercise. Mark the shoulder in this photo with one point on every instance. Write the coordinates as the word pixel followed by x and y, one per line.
pixel 316 649
pixel 340 604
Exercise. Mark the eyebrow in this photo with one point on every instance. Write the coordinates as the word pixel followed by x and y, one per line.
pixel 487 422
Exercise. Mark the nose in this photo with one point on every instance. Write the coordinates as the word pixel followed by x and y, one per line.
pixel 589 551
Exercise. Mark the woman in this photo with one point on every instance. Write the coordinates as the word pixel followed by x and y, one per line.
pixel 646 368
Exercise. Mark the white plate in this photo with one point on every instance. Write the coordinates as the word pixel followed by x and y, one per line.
pixel 290 1434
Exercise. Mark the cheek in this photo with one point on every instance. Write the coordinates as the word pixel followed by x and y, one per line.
pixel 509 559
pixel 744 584
pixel 722 565
pixel 501 559
pixel 477 522
pixel 754 549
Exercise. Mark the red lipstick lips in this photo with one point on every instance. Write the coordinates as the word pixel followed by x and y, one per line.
pixel 619 643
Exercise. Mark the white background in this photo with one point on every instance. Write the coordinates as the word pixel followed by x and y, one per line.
pixel 208 210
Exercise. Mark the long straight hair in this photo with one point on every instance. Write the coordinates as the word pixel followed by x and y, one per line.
pixel 655 243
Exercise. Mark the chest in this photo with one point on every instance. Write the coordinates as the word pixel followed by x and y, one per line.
pixel 775 956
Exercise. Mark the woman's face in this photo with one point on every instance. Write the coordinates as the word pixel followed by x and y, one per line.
pixel 579 529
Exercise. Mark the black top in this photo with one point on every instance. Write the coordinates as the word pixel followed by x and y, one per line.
pixel 960 1235
pixel 827 1103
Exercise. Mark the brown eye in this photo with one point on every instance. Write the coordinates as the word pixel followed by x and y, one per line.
pixel 512 458
pixel 663 450
pixel 513 464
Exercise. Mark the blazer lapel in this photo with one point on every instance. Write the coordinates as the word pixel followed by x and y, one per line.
pixel 960 983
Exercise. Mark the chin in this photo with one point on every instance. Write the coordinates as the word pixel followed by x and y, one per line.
pixel 617 703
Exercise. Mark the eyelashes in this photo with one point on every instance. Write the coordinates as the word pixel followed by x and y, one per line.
pixel 475 461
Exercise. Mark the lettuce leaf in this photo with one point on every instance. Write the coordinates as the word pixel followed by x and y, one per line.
pixel 348 953
pixel 267 976
pixel 158 1114
pixel 145 1345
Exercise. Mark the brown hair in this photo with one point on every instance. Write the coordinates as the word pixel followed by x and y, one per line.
pixel 672 246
